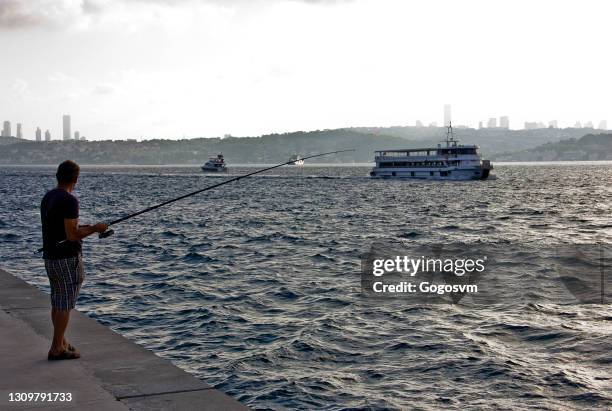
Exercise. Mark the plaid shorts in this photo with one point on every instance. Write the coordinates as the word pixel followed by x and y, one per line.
pixel 65 276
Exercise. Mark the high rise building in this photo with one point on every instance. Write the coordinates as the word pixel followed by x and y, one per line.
pixel 577 125
pixel 480 124
pixel 18 133
pixel 447 115
pixel 38 134
pixel 603 125
pixel 553 124
pixel 47 136
pixel 6 129
pixel 77 136
pixel 588 124
pixel 419 123
pixel 492 123
pixel 504 122
pixel 66 123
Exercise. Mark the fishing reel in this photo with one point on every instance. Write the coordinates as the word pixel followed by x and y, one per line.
pixel 107 233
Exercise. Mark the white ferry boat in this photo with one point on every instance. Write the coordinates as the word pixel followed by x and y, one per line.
pixel 297 160
pixel 215 164
pixel 450 162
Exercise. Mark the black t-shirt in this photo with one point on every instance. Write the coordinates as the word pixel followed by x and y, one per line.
pixel 55 206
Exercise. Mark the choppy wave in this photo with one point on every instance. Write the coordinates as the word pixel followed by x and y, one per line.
pixel 255 287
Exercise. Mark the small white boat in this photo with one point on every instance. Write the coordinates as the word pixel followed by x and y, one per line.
pixel 451 162
pixel 297 160
pixel 215 164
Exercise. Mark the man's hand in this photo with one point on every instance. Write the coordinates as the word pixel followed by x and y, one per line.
pixel 100 227
pixel 75 232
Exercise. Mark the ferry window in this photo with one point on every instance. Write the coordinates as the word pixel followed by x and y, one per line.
pixel 467 151
pixel 412 173
pixel 431 173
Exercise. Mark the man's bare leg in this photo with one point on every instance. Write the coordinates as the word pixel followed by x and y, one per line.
pixel 60 323
pixel 53 314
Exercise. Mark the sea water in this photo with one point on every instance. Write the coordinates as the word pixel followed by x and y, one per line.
pixel 255 287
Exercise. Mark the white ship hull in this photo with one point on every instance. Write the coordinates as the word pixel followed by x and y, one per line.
pixel 476 173
pixel 214 169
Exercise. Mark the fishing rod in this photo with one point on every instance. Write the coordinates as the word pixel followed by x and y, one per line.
pixel 108 233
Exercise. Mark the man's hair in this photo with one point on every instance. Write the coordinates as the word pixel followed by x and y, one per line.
pixel 67 172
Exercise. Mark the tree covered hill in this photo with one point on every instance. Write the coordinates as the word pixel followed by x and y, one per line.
pixel 498 144
pixel 589 147
pixel 273 148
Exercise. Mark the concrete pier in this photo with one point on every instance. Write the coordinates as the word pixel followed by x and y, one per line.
pixel 112 373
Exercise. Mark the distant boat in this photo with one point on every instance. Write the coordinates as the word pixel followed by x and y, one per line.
pixel 451 162
pixel 215 164
pixel 297 160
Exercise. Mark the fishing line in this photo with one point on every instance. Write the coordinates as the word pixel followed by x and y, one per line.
pixel 108 233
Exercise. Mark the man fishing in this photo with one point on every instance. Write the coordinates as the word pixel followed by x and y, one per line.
pixel 62 235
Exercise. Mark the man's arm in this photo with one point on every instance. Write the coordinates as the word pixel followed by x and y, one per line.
pixel 74 232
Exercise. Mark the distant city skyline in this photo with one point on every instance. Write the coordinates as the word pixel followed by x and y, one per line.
pixel 503 122
pixel 164 69
pixel 36 136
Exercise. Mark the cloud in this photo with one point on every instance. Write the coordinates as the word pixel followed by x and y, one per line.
pixel 59 77
pixel 20 87
pixel 18 14
pixel 22 14
pixel 102 89
pixel 13 14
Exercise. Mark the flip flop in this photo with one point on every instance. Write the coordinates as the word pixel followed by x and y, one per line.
pixel 64 355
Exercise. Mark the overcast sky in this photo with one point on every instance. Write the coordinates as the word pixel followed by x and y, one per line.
pixel 174 68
